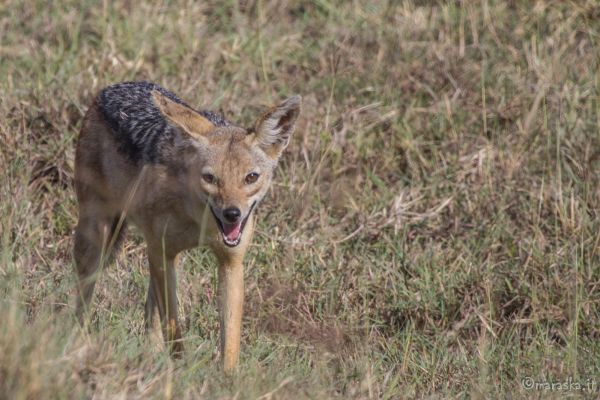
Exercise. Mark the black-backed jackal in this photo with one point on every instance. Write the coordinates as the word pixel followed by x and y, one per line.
pixel 185 178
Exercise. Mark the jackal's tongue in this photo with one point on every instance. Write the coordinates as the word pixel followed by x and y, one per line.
pixel 232 231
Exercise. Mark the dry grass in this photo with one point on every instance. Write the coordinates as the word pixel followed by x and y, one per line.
pixel 433 230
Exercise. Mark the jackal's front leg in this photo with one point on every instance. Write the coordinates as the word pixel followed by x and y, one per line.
pixel 231 303
pixel 163 295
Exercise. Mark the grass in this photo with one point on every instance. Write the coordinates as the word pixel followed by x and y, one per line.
pixel 433 229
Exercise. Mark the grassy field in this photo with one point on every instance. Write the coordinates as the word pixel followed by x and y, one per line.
pixel 433 231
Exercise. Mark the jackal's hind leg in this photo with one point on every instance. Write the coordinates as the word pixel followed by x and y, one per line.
pixel 149 307
pixel 95 240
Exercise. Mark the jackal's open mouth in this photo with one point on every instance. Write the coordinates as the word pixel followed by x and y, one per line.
pixel 232 233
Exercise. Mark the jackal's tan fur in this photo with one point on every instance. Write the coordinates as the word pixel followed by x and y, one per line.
pixel 182 200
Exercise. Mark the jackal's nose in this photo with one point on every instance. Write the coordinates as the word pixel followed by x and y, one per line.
pixel 232 214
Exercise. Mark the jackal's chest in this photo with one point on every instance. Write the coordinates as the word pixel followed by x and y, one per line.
pixel 176 230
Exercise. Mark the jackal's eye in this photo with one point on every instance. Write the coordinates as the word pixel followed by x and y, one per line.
pixel 251 178
pixel 209 178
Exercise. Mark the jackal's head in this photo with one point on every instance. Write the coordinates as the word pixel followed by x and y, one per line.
pixel 231 167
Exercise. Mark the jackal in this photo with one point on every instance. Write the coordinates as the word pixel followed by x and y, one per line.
pixel 185 178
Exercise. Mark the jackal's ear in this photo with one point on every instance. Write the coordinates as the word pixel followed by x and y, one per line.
pixel 179 115
pixel 275 127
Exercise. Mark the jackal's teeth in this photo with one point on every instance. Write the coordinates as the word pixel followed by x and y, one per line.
pixel 242 225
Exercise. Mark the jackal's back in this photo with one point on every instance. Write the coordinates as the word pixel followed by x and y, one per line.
pixel 139 128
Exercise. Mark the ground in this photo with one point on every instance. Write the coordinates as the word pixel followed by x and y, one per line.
pixel 432 231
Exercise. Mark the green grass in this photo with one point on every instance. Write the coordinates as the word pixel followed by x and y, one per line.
pixel 433 229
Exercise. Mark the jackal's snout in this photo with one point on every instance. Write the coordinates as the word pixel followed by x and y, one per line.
pixel 232 214
pixel 231 222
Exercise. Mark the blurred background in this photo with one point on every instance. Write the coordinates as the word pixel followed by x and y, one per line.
pixel 433 227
